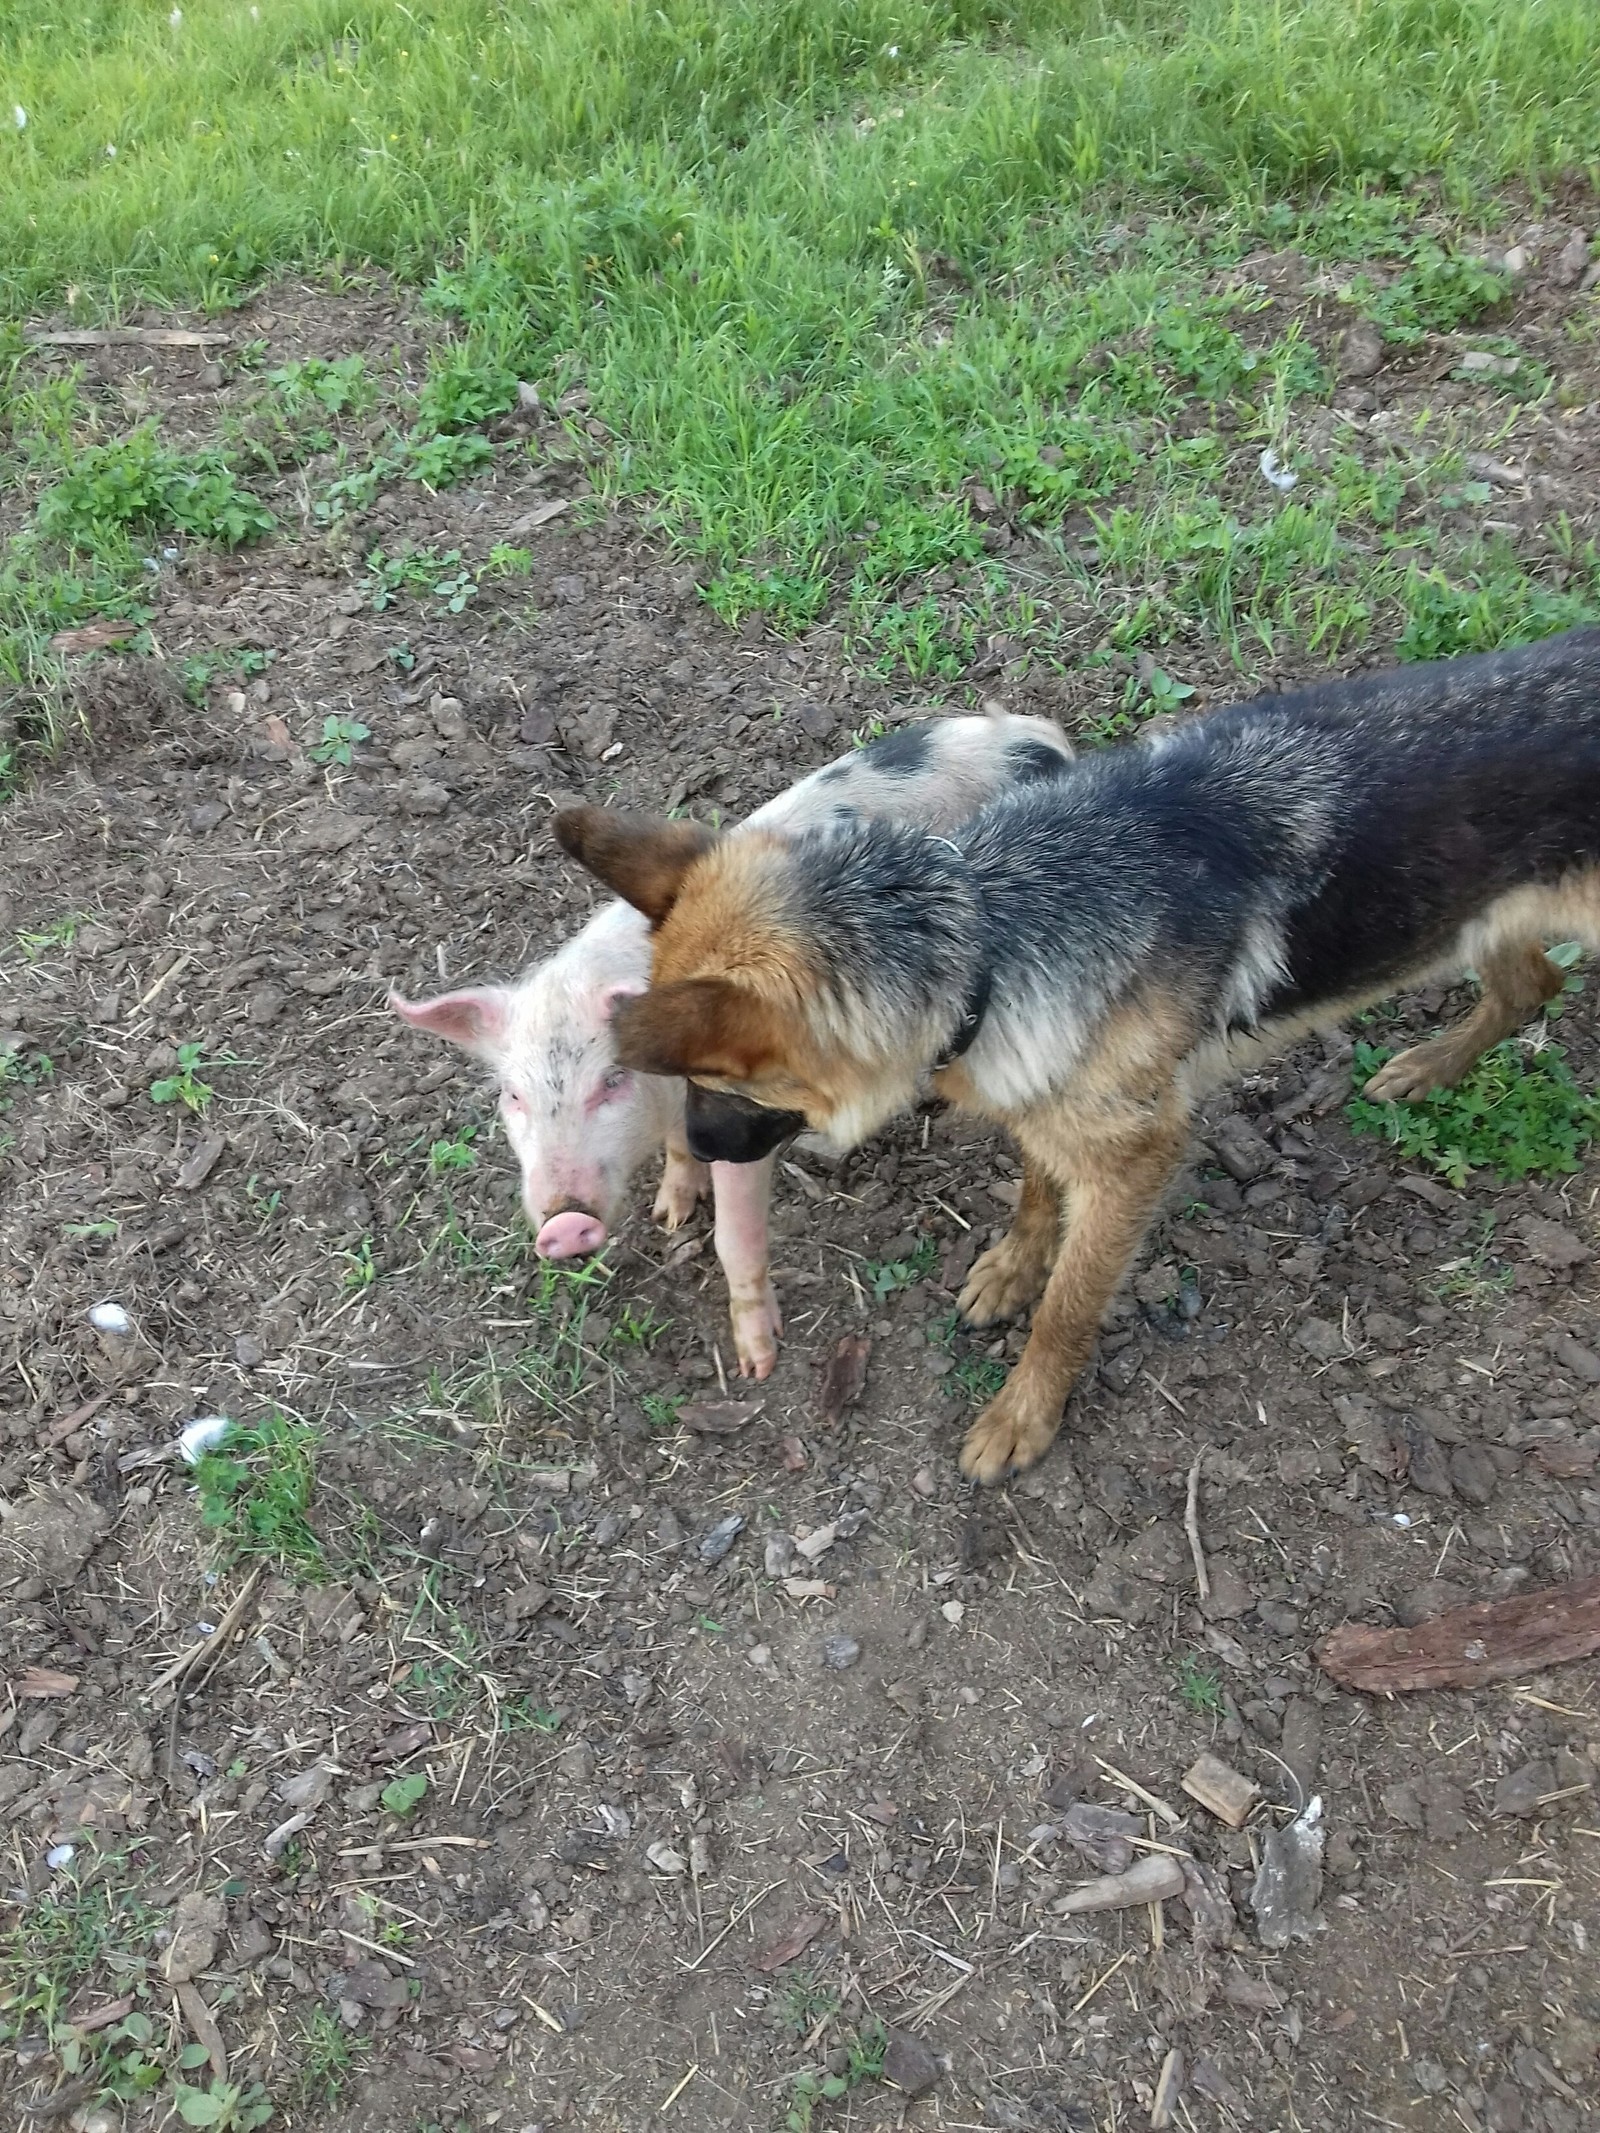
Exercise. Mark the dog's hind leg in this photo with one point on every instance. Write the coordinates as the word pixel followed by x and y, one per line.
pixel 1517 980
pixel 1110 1188
pixel 1009 1276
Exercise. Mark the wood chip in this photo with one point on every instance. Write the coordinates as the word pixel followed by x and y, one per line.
pixel 1168 2089
pixel 65 1425
pixel 131 337
pixel 1148 1880
pixel 202 2027
pixel 1220 1789
pixel 93 636
pixel 793 1941
pixel 719 1418
pixel 200 1162
pixel 1467 1646
pixel 845 1378
pixel 103 2016
pixel 540 515
pixel 45 1681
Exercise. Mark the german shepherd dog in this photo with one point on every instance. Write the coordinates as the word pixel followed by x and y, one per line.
pixel 1084 957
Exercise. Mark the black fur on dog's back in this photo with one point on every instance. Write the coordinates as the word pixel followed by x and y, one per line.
pixel 1353 829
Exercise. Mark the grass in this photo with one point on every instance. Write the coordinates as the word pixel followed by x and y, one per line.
pixel 827 278
pixel 1518 1114
pixel 255 1495
pixel 1200 1686
pixel 88 1934
pixel 864 2052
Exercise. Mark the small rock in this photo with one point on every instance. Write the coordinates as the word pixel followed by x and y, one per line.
pixel 1473 1473
pixel 1240 1150
pixel 248 1352
pixel 1281 1619
pixel 839 1652
pixel 1427 1469
pixel 1572 261
pixel 264 1005
pixel 196 1923
pixel 369 1984
pixel 1516 261
pixel 715 1544
pixel 1288 1888
pixel 1503 2110
pixel 1520 1791
pixel 1582 1362
pixel 908 2065
pixel 1403 1804
pixel 206 816
pixel 1359 353
pixel 1112 1593
pixel 1103 1834
pixel 1551 1244
pixel 1321 1339
pixel 1231 1596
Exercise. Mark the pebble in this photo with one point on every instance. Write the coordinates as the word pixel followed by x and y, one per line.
pixel 908 2065
pixel 1359 352
pixel 839 1652
pixel 715 1544
pixel 1473 1473
pixel 1520 1791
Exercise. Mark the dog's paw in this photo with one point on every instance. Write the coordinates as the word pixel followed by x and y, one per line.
pixel 1411 1075
pixel 1014 1431
pixel 684 1183
pixel 757 1328
pixel 1003 1282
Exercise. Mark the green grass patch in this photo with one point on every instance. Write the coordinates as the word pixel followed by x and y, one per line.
pixel 255 1495
pixel 1516 1114
pixel 819 267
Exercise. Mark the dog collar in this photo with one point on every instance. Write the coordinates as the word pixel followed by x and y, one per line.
pixel 972 1014
pixel 976 1005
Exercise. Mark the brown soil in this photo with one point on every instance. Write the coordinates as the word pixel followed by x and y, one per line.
pixel 643 1770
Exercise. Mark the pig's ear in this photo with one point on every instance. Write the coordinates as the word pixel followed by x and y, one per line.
pixel 702 1026
pixel 642 857
pixel 474 1018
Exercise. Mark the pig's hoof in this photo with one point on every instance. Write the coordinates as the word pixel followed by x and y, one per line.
pixel 684 1182
pixel 757 1327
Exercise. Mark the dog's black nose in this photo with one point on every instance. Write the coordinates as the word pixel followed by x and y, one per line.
pixel 731 1129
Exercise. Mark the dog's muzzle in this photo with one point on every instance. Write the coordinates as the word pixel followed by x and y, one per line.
pixel 723 1128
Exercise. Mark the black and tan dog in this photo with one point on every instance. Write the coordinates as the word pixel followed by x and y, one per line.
pixel 1087 955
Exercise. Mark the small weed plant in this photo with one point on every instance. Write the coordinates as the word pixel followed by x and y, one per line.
pixel 184 1085
pixel 1516 1114
pixel 340 739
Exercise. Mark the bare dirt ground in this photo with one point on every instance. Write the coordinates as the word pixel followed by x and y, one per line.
pixel 686 1833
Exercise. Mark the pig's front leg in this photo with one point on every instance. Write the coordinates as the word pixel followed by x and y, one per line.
pixel 683 1183
pixel 740 1193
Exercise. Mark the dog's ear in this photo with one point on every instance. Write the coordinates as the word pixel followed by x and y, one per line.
pixel 700 1026
pixel 643 857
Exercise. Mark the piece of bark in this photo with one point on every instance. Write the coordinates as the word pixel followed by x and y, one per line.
pixel 793 1941
pixel 1221 1791
pixel 131 337
pixel 1149 1880
pixel 1468 1646
pixel 845 1378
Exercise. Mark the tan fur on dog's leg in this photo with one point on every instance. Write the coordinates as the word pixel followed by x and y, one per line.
pixel 1009 1276
pixel 1110 1190
pixel 1516 983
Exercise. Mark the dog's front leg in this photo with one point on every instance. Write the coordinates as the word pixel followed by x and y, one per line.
pixel 1009 1275
pixel 1109 1190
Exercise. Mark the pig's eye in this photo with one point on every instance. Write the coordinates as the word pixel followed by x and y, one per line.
pixel 514 1102
pixel 618 1078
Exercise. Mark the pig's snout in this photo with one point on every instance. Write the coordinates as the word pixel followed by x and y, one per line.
pixel 573 1234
